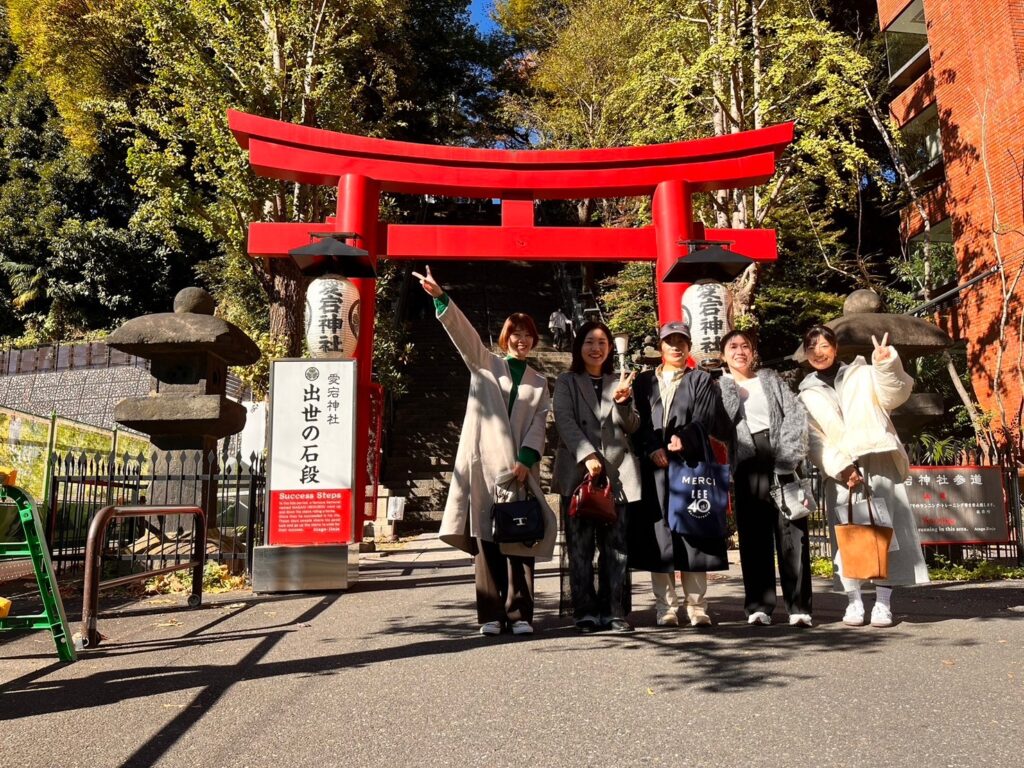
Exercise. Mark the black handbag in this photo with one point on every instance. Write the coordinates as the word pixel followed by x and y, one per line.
pixel 518 522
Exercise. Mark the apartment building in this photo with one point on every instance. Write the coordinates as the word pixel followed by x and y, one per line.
pixel 957 90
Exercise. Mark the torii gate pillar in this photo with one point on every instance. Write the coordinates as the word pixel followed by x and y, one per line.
pixel 357 211
pixel 672 211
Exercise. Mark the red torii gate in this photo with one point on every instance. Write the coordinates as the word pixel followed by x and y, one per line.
pixel 361 168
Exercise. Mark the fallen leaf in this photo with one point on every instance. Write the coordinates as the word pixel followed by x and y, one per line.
pixel 650 691
pixel 171 623
pixel 948 663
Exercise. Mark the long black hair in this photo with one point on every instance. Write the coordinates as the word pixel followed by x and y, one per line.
pixel 577 365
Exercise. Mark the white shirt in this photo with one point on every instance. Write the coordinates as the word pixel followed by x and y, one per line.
pixel 755 404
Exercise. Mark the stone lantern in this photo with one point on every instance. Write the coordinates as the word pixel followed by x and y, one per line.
pixel 189 352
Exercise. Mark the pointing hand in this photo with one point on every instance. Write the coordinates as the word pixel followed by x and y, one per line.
pixel 429 283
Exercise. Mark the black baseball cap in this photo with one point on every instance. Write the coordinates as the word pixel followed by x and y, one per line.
pixel 674 327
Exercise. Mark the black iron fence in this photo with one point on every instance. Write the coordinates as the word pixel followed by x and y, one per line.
pixel 81 484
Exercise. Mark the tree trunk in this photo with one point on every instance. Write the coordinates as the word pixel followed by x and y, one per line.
pixel 287 304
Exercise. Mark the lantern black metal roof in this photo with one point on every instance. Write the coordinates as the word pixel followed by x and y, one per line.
pixel 331 254
pixel 707 260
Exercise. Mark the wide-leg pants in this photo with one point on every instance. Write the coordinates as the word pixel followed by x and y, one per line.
pixel 504 585
pixel 608 600
pixel 764 533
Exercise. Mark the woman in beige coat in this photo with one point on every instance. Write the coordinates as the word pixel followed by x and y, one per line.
pixel 499 450
pixel 853 442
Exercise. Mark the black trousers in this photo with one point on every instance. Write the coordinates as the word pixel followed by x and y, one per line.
pixel 765 532
pixel 610 599
pixel 504 585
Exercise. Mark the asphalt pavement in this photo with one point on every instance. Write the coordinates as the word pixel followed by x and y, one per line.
pixel 394 673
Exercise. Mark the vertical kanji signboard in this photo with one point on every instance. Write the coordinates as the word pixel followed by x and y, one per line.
pixel 312 452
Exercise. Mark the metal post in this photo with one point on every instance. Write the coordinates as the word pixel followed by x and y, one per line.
pixel 51 445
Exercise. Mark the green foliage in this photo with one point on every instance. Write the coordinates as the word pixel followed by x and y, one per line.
pixel 941 569
pixel 823 567
pixel 391 350
pixel 972 570
pixel 784 313
pixel 615 72
pixel 160 75
pixel 73 260
pixel 217 578
pixel 628 301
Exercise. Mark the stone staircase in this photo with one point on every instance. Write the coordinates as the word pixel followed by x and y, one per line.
pixel 421 444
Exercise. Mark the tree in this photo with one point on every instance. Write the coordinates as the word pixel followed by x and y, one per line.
pixel 414 69
pixel 608 72
pixel 70 253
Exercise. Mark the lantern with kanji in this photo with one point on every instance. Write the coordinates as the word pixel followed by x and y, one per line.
pixel 707 309
pixel 332 317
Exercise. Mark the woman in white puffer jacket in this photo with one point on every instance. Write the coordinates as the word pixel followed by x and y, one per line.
pixel 852 441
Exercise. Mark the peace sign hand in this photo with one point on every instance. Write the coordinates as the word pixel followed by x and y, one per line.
pixel 625 389
pixel 882 351
pixel 429 283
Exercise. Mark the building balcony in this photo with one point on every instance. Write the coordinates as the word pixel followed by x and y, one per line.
pixel 906 46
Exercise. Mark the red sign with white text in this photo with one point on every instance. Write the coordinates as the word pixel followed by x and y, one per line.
pixel 323 516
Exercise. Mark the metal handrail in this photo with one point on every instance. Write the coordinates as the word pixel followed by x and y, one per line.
pixel 89 635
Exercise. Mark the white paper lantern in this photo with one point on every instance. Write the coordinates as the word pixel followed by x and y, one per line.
pixel 332 317
pixel 707 309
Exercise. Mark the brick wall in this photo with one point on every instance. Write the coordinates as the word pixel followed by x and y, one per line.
pixel 910 103
pixel 977 55
pixel 889 10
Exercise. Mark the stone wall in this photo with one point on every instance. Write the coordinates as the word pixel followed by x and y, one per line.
pixel 87 395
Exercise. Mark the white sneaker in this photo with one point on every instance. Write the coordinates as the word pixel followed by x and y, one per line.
pixel 698 616
pixel 669 619
pixel 759 617
pixel 854 615
pixel 490 628
pixel 881 616
pixel 800 620
pixel 522 628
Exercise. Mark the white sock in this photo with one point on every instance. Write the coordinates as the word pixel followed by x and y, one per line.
pixel 883 596
pixel 855 598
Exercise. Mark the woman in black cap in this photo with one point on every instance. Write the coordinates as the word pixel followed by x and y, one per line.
pixel 670 399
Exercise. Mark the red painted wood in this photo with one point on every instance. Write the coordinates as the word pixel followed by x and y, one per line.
pixel 310 166
pixel 517 213
pixel 427 241
pixel 247 128
pixel 357 211
pixel 672 212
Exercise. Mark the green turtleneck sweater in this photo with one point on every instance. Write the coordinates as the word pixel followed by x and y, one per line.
pixel 527 456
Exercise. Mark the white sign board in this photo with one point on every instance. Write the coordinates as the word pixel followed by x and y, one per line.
pixel 312 451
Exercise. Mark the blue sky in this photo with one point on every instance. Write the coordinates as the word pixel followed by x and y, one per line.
pixel 479 11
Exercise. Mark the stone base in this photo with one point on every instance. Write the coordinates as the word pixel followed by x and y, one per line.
pixel 305 569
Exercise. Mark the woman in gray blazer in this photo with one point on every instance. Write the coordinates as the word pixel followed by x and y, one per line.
pixel 594 416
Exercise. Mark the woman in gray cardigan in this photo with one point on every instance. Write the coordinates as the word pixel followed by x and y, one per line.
pixel 594 416
pixel 771 439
